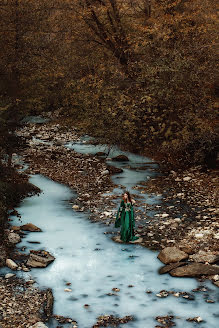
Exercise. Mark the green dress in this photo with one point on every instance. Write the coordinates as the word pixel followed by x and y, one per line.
pixel 125 220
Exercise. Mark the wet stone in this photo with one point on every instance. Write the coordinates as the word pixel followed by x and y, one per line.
pixel 194 270
pixel 195 319
pixel 39 259
pixel 30 227
pixel 162 293
pixel 169 267
pixel 110 320
pixel 167 321
pixel 120 158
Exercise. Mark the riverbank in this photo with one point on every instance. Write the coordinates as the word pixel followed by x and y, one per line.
pixel 187 215
pixel 21 304
pixel 178 220
pixel 91 276
pixel 14 187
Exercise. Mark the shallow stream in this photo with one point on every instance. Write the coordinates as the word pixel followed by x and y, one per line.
pixel 87 258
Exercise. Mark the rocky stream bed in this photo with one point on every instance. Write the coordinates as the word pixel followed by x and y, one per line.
pixel 176 213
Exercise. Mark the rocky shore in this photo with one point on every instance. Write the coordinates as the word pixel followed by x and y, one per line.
pixel 22 305
pixel 186 219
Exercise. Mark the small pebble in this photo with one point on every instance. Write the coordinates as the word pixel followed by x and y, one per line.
pixel 210 301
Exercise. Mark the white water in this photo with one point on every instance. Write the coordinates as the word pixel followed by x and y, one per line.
pixel 94 264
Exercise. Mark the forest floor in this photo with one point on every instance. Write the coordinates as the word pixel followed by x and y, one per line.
pixel 187 217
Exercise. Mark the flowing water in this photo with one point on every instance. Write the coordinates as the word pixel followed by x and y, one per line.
pixel 87 258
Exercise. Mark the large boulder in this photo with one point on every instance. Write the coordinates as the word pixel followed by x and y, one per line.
pixel 40 260
pixel 30 227
pixel 120 158
pixel 195 270
pixel 203 257
pixel 172 255
pixel 14 238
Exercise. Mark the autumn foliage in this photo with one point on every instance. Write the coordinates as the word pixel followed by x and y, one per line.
pixel 137 73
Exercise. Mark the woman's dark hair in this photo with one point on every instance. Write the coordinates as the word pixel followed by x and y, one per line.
pixel 129 196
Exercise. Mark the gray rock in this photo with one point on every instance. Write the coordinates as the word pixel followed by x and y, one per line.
pixel 14 238
pixel 39 261
pixel 30 227
pixel 120 158
pixel 39 325
pixel 195 270
pixel 172 255
pixel 11 264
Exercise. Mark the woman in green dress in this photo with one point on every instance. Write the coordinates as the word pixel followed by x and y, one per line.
pixel 125 219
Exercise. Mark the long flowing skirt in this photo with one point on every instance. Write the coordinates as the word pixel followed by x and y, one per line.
pixel 127 228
